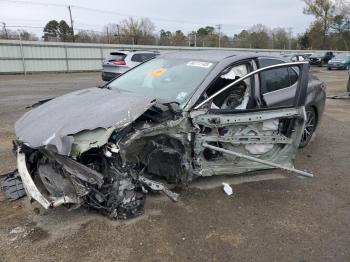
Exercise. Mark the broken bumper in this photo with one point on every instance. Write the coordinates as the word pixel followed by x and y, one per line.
pixel 31 189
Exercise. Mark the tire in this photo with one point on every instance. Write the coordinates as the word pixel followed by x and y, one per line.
pixel 310 126
pixel 329 69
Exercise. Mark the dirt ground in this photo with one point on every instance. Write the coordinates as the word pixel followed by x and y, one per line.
pixel 288 219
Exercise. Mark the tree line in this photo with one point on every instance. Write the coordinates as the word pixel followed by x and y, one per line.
pixel 329 30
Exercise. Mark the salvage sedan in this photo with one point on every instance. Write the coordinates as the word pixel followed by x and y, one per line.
pixel 165 122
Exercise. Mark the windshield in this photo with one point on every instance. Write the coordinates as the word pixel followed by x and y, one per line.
pixel 172 79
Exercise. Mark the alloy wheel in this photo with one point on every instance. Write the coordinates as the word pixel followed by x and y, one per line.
pixel 310 126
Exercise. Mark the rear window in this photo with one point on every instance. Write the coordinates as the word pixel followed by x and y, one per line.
pixel 115 56
pixel 142 57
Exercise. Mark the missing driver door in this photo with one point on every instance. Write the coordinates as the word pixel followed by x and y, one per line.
pixel 227 140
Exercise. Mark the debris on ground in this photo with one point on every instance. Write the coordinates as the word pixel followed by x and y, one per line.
pixel 12 186
pixel 340 96
pixel 228 189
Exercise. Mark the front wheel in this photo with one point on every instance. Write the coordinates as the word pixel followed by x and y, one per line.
pixel 310 127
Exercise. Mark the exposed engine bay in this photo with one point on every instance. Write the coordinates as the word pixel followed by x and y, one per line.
pixel 114 177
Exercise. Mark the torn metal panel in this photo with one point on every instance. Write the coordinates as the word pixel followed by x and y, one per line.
pixel 266 135
pixel 156 186
pixel 88 139
pixel 75 168
pixel 32 190
pixel 54 122
pixel 254 159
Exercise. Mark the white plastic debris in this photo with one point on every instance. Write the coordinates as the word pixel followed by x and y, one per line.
pixel 108 153
pixel 114 148
pixel 17 230
pixel 228 189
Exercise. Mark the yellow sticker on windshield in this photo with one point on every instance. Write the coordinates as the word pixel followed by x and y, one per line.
pixel 158 72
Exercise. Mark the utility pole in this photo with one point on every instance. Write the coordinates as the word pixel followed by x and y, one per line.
pixel 118 32
pixel 290 34
pixel 108 39
pixel 4 26
pixel 219 28
pixel 71 22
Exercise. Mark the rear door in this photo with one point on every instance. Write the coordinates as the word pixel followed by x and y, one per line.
pixel 238 141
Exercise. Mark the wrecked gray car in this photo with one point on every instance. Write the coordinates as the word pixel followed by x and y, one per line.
pixel 166 122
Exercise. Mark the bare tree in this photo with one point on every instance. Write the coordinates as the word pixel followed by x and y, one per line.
pixel 280 38
pixel 138 31
pixel 259 36
pixel 18 35
pixel 89 36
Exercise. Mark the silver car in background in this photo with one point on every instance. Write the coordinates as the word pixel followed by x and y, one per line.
pixel 120 61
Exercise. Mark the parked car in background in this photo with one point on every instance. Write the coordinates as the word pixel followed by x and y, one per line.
pixel 307 56
pixel 120 61
pixel 293 57
pixel 341 61
pixel 320 58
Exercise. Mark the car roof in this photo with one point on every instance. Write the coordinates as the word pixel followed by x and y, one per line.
pixel 209 55
pixel 126 52
pixel 216 56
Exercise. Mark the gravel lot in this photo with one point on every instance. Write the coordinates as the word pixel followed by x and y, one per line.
pixel 289 219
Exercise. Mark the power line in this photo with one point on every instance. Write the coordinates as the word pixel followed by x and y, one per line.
pixel 96 10
pixel 77 7
pixel 112 12
pixel 41 27
pixel 138 16
pixel 25 26
pixel 33 3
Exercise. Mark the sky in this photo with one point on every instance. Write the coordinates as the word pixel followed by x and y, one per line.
pixel 186 15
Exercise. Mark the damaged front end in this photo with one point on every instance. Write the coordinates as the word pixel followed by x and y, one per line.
pixel 54 180
pixel 109 169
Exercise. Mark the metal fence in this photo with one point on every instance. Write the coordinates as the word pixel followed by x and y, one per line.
pixel 33 56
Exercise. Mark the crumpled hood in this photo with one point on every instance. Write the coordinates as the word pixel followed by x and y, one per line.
pixel 53 122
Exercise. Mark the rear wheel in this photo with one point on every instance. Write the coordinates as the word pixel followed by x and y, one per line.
pixel 310 127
